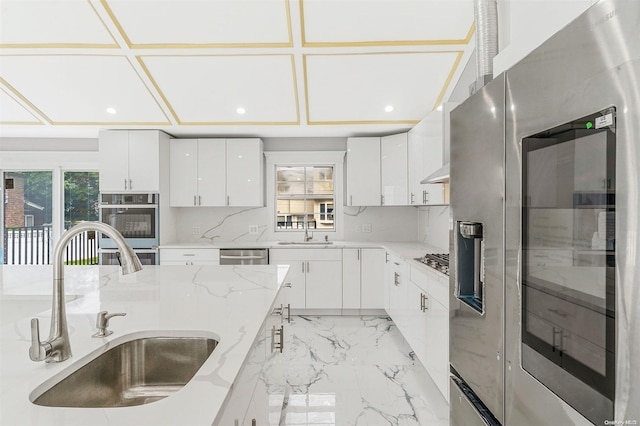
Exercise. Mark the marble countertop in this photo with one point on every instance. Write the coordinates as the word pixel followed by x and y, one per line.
pixel 229 303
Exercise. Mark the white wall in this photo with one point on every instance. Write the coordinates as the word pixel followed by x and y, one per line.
pixel 524 25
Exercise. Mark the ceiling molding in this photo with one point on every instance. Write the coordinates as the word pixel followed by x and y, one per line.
pixel 26 101
pixel 132 45
pixel 446 84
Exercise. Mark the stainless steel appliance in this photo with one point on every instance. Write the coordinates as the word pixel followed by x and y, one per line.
pixel 244 256
pixel 545 307
pixel 134 215
pixel 437 261
pixel 112 256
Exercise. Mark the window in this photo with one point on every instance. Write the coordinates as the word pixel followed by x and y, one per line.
pixel 304 198
pixel 27 217
pixel 81 196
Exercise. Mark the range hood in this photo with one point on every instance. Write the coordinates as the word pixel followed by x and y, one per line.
pixel 439 176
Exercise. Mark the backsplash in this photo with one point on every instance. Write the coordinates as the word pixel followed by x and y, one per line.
pixel 434 226
pixel 229 224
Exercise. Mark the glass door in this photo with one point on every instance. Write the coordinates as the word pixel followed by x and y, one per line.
pixel 568 257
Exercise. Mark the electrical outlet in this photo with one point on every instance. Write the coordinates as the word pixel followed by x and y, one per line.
pixel 195 230
pixel 253 229
pixel 366 227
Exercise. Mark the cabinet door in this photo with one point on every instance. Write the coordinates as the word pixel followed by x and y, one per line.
pixel 244 172
pixel 183 172
pixel 324 284
pixel 414 326
pixel 393 155
pixel 436 345
pixel 114 160
pixel 372 263
pixel 416 140
pixel 144 161
pixel 363 172
pixel 212 172
pixel 351 258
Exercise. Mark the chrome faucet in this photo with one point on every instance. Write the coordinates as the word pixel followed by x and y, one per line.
pixel 57 347
pixel 307 237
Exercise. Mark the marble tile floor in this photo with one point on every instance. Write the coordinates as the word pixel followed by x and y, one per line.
pixel 350 370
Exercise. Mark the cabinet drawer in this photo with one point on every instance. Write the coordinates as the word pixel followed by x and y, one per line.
pixel 431 282
pixel 280 255
pixel 195 255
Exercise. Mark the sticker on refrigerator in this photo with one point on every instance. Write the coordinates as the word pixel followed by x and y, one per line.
pixel 604 121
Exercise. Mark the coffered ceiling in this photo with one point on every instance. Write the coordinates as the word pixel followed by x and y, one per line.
pixel 228 67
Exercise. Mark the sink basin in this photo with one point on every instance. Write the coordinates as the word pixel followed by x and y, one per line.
pixel 135 372
pixel 305 243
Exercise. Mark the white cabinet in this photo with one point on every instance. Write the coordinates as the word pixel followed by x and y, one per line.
pixel 216 172
pixel 197 172
pixel 130 160
pixel 189 256
pixel 244 172
pixel 315 276
pixel 429 334
pixel 393 165
pixel 363 278
pixel 363 172
pixel 377 171
pixel 428 151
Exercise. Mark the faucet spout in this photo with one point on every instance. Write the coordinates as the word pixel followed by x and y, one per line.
pixel 57 347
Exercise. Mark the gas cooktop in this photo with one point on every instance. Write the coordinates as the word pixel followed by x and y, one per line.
pixel 437 261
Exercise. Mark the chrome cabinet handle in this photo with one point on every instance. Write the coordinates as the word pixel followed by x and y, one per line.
pixel 424 197
pixel 287 285
pixel 278 311
pixel 125 184
pixel 277 332
pixel 396 278
pixel 194 200
pixel 289 313
pixel 423 302
pixel 412 198
pixel 303 267
pixel 308 269
pixel 130 184
pixel 227 200
pixel 382 200
pixel 199 200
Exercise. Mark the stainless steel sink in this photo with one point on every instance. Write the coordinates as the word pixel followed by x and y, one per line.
pixel 305 243
pixel 135 372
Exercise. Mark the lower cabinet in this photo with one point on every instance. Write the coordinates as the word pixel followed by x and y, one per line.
pixel 315 275
pixel 417 301
pixel 362 279
pixel 189 256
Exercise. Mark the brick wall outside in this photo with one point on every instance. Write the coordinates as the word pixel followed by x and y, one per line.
pixel 14 205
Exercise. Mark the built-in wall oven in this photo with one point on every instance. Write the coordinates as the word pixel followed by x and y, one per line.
pixel 135 216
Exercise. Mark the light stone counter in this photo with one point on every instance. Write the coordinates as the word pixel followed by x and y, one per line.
pixel 229 303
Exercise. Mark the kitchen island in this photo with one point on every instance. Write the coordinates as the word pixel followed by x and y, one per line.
pixel 228 303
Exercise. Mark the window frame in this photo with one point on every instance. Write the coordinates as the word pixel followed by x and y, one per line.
pixel 305 158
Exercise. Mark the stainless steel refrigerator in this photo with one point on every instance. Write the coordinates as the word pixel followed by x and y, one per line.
pixel 545 244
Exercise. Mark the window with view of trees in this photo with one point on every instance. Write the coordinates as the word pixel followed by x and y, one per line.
pixel 304 198
pixel 81 196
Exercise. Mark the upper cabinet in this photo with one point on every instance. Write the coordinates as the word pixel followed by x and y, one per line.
pixel 130 160
pixel 428 152
pixel 363 172
pixel 244 172
pixel 216 172
pixel 393 160
pixel 377 171
pixel 197 172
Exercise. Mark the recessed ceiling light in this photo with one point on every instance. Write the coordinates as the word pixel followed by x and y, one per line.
pixel 388 108
pixel 111 110
pixel 240 110
pixel 439 108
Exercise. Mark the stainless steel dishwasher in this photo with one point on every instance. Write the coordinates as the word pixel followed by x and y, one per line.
pixel 244 256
